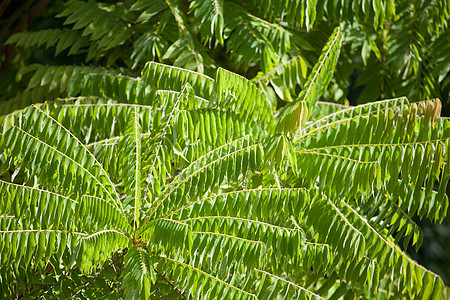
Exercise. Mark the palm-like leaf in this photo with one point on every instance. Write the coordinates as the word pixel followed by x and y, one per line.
pixel 192 188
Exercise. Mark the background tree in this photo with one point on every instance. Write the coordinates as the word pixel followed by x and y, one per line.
pixel 175 184
pixel 391 48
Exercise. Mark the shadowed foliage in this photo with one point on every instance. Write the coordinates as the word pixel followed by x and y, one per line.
pixel 391 48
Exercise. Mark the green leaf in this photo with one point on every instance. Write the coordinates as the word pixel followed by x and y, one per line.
pixel 138 274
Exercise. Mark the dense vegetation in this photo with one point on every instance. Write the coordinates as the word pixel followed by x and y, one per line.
pixel 390 48
pixel 141 181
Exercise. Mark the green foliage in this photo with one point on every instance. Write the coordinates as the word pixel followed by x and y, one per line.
pixel 394 48
pixel 295 114
pixel 176 184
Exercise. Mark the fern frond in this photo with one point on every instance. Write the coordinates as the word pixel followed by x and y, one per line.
pixel 218 253
pixel 414 277
pixel 237 203
pixel 333 228
pixel 109 31
pixel 224 163
pixel 350 244
pixel 401 181
pixel 365 130
pixel 305 13
pixel 217 128
pixel 131 173
pixel 95 213
pixel 391 216
pixel 239 214
pixel 211 19
pixel 163 77
pixel 238 94
pixel 318 213
pixel 107 149
pixel 147 48
pixel 168 98
pixel 324 109
pixel 207 285
pixel 61 39
pixel 138 274
pixel 392 146
pixel 51 82
pixel 247 39
pixel 291 117
pixel 334 287
pixel 284 247
pixel 111 85
pixel 284 78
pixel 170 234
pixel 34 246
pixel 43 136
pixel 158 168
pixel 439 57
pixel 356 111
pixel 301 13
pixel 280 152
pixel 46 208
pixel 189 39
pixel 23 150
pixel 320 75
pixel 100 123
pixel 96 248
pixel 338 175
pixel 272 285
pixel 100 119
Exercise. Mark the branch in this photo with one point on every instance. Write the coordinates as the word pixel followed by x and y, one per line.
pixel 170 283
pixel 56 283
pixel 156 289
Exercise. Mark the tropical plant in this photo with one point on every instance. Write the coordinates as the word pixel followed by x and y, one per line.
pixel 175 184
pixel 391 48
